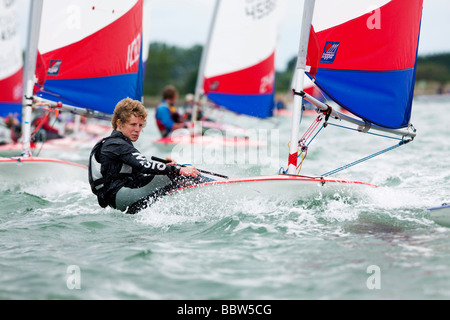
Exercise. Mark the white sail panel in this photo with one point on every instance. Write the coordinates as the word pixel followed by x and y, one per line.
pixel 330 13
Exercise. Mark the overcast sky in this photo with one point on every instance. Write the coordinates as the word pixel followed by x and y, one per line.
pixel 186 22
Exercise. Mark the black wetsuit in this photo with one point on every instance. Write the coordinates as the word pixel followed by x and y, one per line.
pixel 115 164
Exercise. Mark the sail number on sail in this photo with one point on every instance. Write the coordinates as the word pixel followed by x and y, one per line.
pixel 134 49
pixel 259 9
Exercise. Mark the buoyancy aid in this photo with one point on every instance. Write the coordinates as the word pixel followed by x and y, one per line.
pixel 115 163
pixel 96 179
pixel 164 119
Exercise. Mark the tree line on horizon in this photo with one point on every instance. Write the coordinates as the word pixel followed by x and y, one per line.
pixel 169 64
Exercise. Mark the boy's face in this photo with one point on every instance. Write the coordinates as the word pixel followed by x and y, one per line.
pixel 132 128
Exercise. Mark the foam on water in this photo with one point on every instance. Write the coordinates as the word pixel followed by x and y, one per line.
pixel 259 214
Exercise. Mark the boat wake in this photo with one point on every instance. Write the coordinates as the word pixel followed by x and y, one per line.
pixel 357 211
pixel 48 195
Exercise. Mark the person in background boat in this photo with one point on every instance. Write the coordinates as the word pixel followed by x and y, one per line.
pixel 188 108
pixel 279 102
pixel 167 117
pixel 43 130
pixel 15 127
pixel 441 89
pixel 121 176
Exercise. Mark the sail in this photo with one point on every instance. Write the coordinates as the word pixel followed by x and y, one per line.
pixel 91 51
pixel 239 71
pixel 11 63
pixel 364 58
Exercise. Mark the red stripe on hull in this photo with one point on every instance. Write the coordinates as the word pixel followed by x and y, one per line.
pixel 276 178
pixel 33 159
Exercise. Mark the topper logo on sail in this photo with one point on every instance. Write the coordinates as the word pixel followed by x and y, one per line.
pixel 53 67
pixel 214 85
pixel 329 52
pixel 134 50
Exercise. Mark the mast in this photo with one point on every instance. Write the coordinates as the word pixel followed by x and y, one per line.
pixel 201 70
pixel 34 24
pixel 308 9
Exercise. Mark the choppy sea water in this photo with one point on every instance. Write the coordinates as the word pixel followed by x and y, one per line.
pixel 378 243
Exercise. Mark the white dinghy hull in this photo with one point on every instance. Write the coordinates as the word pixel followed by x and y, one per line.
pixel 441 214
pixel 32 168
pixel 284 187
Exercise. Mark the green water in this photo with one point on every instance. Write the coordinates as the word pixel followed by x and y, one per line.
pixel 380 243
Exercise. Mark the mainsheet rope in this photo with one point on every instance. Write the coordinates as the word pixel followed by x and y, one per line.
pixel 402 142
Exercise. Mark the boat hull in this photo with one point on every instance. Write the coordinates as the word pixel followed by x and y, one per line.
pixel 68 143
pixel 277 186
pixel 34 168
pixel 441 214
pixel 13 149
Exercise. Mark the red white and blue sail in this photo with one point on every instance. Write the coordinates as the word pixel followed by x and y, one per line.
pixel 91 52
pixel 239 71
pixel 11 63
pixel 364 58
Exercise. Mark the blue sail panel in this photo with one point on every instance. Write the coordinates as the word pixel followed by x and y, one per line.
pixel 100 94
pixel 260 105
pixel 13 109
pixel 372 95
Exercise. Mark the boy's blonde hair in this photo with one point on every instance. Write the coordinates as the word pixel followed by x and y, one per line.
pixel 125 109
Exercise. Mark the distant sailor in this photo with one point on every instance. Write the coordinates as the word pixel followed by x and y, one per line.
pixel 43 130
pixel 167 117
pixel 121 176
pixel 188 109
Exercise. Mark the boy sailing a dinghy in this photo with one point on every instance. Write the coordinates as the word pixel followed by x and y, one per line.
pixel 120 176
